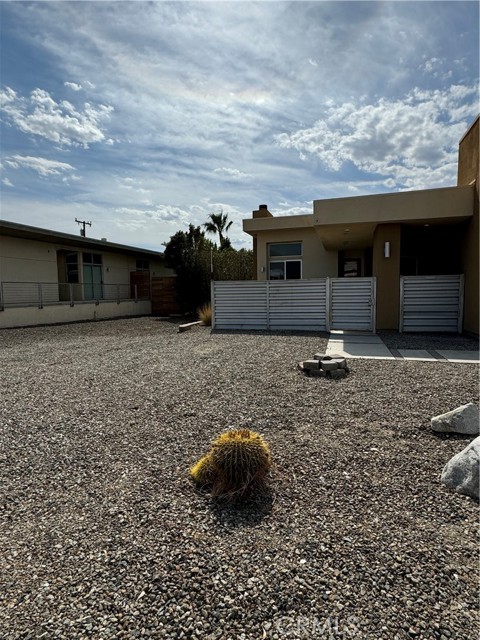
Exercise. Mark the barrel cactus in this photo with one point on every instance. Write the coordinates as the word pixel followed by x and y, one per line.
pixel 237 464
pixel 203 471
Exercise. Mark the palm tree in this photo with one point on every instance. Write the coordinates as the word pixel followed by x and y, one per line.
pixel 218 223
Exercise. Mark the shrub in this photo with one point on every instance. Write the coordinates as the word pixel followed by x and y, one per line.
pixel 237 464
pixel 205 314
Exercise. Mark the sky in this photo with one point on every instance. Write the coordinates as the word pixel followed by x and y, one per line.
pixel 143 117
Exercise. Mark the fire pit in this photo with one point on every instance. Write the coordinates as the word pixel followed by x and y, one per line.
pixel 323 366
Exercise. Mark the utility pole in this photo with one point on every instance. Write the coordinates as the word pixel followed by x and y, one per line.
pixel 84 223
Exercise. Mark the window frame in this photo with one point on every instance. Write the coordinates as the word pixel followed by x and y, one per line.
pixel 283 259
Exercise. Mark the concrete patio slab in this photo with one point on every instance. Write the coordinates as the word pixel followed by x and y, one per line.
pixel 359 350
pixel 460 356
pixel 416 354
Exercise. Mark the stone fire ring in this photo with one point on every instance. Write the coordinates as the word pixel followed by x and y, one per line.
pixel 323 366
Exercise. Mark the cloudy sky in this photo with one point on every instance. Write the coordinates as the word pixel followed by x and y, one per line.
pixel 142 117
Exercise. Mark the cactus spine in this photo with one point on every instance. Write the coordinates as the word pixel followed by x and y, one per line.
pixel 237 463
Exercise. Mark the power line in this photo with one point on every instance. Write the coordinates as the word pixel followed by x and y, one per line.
pixel 84 223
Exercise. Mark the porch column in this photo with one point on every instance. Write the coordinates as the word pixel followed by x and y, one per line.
pixel 387 272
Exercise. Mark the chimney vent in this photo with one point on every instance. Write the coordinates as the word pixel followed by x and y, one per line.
pixel 263 206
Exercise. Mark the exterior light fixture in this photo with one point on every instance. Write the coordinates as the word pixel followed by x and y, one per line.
pixel 386 249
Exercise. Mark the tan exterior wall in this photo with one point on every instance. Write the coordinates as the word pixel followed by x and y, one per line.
pixel 387 272
pixel 449 202
pixel 54 314
pixel 316 261
pixel 469 170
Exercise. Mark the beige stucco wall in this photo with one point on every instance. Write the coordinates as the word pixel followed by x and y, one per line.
pixel 468 171
pixel 316 261
pixel 32 316
pixel 387 272
pixel 448 202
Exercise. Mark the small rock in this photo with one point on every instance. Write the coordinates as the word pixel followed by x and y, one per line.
pixel 328 365
pixel 464 419
pixel 310 365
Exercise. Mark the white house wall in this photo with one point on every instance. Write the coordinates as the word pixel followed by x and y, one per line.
pixel 24 260
pixel 84 311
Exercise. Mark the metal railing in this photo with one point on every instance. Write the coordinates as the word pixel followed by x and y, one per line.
pixel 41 294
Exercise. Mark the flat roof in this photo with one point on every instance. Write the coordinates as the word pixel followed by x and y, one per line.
pixel 16 230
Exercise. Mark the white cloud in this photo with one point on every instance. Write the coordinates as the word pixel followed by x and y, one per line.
pixel 411 141
pixel 59 122
pixel 73 85
pixel 7 182
pixel 42 166
pixel 234 174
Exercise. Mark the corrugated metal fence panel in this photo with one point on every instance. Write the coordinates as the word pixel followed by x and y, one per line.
pixel 298 305
pixel 277 305
pixel 240 304
pixel 431 303
pixel 352 303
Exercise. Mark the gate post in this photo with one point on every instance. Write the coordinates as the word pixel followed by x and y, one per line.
pixel 400 320
pixel 268 304
pixel 328 299
pixel 212 301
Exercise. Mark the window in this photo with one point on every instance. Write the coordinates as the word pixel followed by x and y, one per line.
pixel 285 249
pixel 142 265
pixel 71 267
pixel 284 266
pixel 92 276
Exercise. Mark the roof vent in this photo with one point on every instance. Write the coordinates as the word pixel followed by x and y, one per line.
pixel 103 239
pixel 263 206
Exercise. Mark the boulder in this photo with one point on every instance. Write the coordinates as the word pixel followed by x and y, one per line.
pixel 461 473
pixel 464 419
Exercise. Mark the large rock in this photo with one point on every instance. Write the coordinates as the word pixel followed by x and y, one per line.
pixel 461 473
pixel 464 419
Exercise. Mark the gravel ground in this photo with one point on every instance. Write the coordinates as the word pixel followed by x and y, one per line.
pixel 395 340
pixel 104 536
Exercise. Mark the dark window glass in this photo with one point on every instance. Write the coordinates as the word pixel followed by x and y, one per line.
pixel 277 270
pixel 285 249
pixel 293 270
pixel 142 265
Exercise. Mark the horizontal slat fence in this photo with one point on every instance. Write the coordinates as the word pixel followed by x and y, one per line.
pixel 270 305
pixel 431 303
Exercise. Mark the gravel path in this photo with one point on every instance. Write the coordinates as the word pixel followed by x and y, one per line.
pixel 104 536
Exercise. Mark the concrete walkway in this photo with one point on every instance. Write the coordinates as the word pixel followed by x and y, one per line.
pixel 353 344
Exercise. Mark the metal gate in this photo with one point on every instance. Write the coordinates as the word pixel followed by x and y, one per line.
pixel 431 303
pixel 352 304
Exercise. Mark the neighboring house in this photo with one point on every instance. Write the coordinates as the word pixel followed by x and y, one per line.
pixel 413 245
pixel 48 277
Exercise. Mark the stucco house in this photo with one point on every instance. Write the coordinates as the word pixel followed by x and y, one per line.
pixel 415 247
pixel 48 277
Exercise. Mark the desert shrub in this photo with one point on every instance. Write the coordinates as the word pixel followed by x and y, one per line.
pixel 205 314
pixel 237 464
